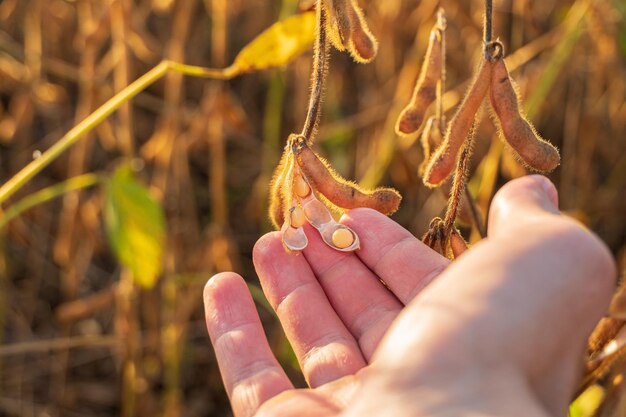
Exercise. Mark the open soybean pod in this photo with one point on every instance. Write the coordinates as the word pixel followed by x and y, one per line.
pixel 277 203
pixel 293 235
pixel 425 92
pixel 340 192
pixel 533 150
pixel 333 233
pixel 459 130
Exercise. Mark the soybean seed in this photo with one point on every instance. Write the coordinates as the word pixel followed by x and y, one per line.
pixel 342 238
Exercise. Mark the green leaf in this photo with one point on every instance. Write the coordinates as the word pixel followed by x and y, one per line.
pixel 278 44
pixel 135 226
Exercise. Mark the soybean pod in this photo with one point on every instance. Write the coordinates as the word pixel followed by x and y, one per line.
pixel 425 92
pixel 337 190
pixel 460 128
pixel 277 202
pixel 531 148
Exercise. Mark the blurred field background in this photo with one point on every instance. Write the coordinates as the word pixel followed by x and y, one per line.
pixel 77 336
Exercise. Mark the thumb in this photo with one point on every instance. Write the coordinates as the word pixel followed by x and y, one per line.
pixel 522 201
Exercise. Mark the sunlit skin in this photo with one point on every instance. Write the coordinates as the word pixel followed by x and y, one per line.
pixel 501 331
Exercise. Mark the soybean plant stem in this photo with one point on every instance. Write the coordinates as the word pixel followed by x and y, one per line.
pixel 487 25
pixel 318 77
pixel 458 185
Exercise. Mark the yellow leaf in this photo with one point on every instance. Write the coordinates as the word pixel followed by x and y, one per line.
pixel 278 44
pixel 135 226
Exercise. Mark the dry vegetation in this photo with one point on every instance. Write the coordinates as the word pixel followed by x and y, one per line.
pixel 78 337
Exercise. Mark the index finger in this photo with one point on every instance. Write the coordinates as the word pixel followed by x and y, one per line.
pixel 402 261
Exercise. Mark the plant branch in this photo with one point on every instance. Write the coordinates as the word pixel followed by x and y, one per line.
pixel 104 111
pixel 318 76
pixel 77 183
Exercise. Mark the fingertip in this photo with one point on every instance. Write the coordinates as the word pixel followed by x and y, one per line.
pixel 522 198
pixel 221 282
pixel 267 245
pixel 222 291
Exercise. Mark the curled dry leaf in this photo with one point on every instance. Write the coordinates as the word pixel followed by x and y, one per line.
pixel 535 152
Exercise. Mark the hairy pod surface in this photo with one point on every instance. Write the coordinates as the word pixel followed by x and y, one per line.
pixel 618 303
pixel 340 192
pixel 362 45
pixel 425 91
pixel 458 245
pixel 605 331
pixel 277 203
pixel 430 138
pixel 460 129
pixel 532 149
pixel 338 22
pixel 348 30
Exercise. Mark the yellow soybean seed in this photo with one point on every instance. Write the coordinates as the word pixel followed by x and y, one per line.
pixel 342 238
pixel 300 187
pixel 297 217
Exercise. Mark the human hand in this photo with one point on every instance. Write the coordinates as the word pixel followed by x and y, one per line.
pixel 501 331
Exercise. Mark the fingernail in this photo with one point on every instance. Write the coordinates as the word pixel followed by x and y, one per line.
pixel 549 191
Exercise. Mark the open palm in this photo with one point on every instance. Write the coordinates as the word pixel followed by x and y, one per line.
pixel 495 334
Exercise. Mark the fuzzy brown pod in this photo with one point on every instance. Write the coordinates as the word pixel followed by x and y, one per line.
pixel 618 303
pixel 430 138
pixel 431 77
pixel 459 129
pixel 605 331
pixel 277 203
pixel 458 245
pixel 534 151
pixel 341 192
pixel 348 30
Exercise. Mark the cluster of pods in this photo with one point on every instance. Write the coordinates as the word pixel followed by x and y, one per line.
pixel 305 189
pixel 491 77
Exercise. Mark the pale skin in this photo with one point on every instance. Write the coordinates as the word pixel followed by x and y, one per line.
pixel 499 332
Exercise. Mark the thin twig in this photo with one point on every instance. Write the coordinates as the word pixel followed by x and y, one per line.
pixel 476 217
pixel 318 77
